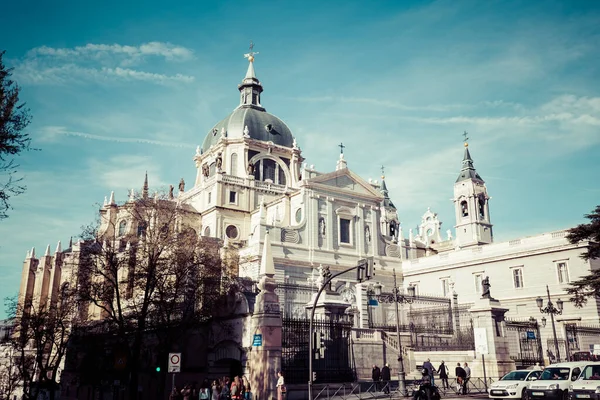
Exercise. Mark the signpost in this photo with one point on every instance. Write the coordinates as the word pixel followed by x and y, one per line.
pixel 481 346
pixel 174 366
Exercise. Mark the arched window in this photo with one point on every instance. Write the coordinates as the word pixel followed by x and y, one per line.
pixel 207 231
pixel 212 169
pixel 141 230
pixel 122 228
pixel 481 207
pixel 464 208
pixel 268 169
pixel 234 158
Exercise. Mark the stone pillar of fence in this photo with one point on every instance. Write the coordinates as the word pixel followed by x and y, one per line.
pixel 265 357
pixel 489 314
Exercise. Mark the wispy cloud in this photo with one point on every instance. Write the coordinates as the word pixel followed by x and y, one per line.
pixel 125 171
pixel 52 133
pixel 99 63
pixel 131 53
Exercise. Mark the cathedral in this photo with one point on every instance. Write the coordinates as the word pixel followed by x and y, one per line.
pixel 253 189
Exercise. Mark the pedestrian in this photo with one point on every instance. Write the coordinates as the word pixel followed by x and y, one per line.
pixel 376 375
pixel 429 367
pixel 467 378
pixel 225 393
pixel 281 389
pixel 386 377
pixel 443 372
pixel 175 395
pixel 461 374
pixel 186 392
pixel 236 388
pixel 537 367
pixel 216 390
pixel 246 388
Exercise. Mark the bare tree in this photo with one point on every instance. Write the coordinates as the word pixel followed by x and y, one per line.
pixel 41 333
pixel 144 269
pixel 9 373
pixel 14 118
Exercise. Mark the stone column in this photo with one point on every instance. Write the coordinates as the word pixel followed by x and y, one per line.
pixel 265 357
pixel 489 314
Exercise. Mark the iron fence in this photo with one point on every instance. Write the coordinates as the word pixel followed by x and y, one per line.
pixel 581 340
pixel 332 359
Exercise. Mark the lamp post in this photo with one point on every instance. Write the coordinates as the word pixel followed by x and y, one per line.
pixel 398 298
pixel 552 310
pixel 364 270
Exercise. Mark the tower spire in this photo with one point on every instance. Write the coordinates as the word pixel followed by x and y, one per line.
pixel 468 169
pixel 145 187
pixel 250 88
pixel 384 191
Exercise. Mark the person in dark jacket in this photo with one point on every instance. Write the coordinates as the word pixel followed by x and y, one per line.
pixel 429 367
pixel 376 375
pixel 443 371
pixel 386 377
pixel 461 378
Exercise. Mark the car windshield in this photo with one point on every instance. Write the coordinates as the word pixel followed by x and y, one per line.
pixel 591 372
pixel 555 374
pixel 515 376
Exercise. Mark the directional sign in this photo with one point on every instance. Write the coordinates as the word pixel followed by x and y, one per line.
pixel 257 340
pixel 481 344
pixel 530 335
pixel 174 362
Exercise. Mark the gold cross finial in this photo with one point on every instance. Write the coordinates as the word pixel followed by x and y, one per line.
pixel 251 54
pixel 466 138
pixel 382 172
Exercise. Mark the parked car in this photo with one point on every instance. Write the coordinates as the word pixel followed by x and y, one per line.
pixel 513 385
pixel 555 381
pixel 587 386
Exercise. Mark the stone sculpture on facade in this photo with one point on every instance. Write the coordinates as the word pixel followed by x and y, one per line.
pixel 485 288
pixel 181 185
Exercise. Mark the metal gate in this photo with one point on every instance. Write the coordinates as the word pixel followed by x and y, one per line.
pixel 331 362
pixel 525 343
pixel 583 342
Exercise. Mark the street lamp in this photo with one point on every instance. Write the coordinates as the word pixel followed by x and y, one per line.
pixel 552 310
pixel 397 298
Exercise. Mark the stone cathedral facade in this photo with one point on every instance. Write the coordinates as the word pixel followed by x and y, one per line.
pixel 252 183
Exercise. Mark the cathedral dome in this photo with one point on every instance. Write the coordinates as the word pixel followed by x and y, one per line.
pixel 250 119
pixel 252 122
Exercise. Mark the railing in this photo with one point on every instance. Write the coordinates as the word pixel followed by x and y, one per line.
pixel 234 179
pixel 384 389
pixel 390 341
pixel 270 186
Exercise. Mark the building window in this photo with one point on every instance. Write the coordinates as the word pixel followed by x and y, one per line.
pixel 212 169
pixel 445 286
pixel 207 231
pixel 415 285
pixel 233 166
pixel 232 232
pixel 464 208
pixel 141 230
pixel 517 277
pixel 233 197
pixel 344 230
pixel 122 228
pixel 478 279
pixel 298 215
pixel 562 271
pixel 209 197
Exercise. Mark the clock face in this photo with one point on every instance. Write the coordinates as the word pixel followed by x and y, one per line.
pixel 429 232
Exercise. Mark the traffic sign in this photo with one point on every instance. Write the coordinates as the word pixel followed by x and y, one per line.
pixel 174 362
pixel 257 340
pixel 481 344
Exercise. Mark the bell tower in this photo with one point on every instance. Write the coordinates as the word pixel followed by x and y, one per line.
pixel 471 204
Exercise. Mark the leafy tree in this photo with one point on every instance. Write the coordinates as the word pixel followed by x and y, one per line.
pixel 588 286
pixel 14 118
pixel 147 272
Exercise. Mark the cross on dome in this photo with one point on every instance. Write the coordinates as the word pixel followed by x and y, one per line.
pixel 342 147
pixel 250 55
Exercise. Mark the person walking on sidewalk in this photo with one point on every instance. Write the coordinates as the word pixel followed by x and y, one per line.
pixel 461 374
pixel 467 377
pixel 429 367
pixel 376 375
pixel 386 377
pixel 443 371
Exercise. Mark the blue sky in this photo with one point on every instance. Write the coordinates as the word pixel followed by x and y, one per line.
pixel 117 89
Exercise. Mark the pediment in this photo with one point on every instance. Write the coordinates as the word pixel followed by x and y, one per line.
pixel 344 181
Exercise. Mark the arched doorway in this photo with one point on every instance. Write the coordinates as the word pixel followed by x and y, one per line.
pixel 227 367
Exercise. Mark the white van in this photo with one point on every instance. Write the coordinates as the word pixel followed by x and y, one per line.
pixel 555 381
pixel 588 384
